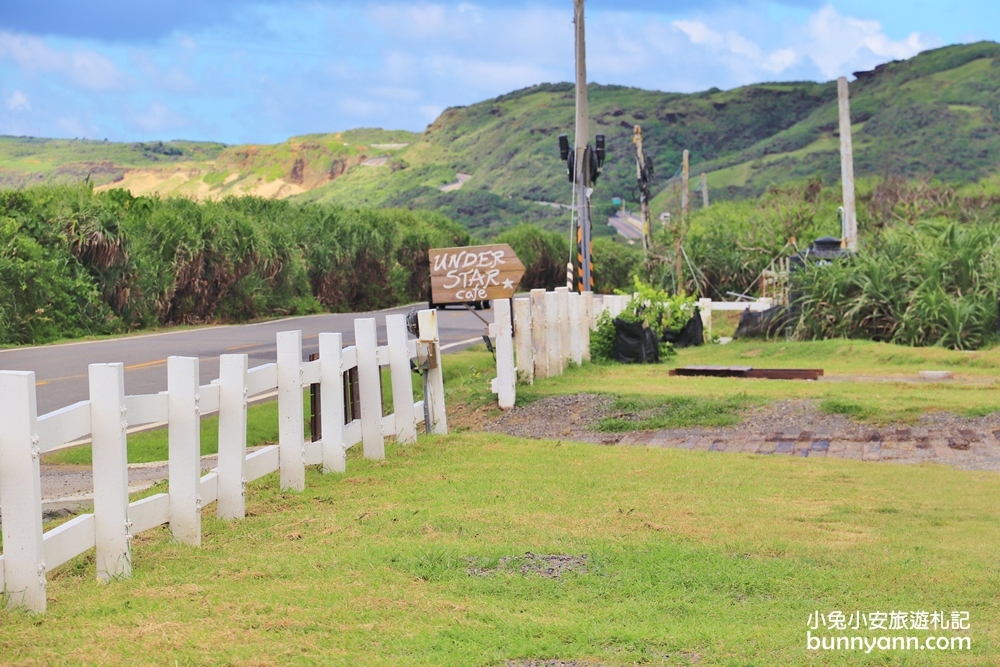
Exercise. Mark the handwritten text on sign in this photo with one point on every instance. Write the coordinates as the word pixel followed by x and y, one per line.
pixel 475 273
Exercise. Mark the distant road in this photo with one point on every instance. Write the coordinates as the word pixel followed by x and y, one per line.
pixel 61 370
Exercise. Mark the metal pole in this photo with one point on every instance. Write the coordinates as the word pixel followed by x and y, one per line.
pixel 582 140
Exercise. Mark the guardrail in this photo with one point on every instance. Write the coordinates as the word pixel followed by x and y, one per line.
pixel 29 553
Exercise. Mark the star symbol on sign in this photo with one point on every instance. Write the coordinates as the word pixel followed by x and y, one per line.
pixel 508 284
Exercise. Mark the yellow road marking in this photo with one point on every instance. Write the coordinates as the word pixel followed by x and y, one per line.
pixel 145 365
pixel 41 383
pixel 243 347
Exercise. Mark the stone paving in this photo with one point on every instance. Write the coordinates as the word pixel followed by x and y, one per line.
pixel 966 448
pixel 789 428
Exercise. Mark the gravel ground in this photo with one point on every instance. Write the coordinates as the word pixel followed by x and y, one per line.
pixel 972 444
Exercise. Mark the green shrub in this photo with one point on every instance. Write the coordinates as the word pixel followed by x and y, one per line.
pixel 654 308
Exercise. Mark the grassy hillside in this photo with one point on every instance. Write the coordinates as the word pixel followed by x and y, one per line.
pixel 196 169
pixel 933 116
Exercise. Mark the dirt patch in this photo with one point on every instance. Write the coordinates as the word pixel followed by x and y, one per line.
pixel 554 417
pixel 551 566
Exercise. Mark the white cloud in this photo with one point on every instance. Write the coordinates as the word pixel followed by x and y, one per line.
pixel 780 60
pixel 87 69
pixel 840 43
pixel 157 117
pixel 18 101
pixel 827 44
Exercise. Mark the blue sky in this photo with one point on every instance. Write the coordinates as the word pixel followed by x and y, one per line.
pixel 238 72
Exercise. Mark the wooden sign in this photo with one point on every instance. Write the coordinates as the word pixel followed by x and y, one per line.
pixel 474 273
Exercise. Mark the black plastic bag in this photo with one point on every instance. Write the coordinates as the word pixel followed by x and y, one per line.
pixel 690 335
pixel 763 324
pixel 635 343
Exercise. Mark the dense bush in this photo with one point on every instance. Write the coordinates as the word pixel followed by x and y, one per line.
pixel 935 283
pixel 74 262
pixel 544 255
pixel 927 272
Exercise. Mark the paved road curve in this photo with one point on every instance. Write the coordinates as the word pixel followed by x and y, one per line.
pixel 61 370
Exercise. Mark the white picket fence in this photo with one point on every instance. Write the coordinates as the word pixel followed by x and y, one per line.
pixel 550 330
pixel 707 307
pixel 28 552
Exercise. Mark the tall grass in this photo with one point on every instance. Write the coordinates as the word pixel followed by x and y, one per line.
pixel 76 262
pixel 926 274
pixel 935 283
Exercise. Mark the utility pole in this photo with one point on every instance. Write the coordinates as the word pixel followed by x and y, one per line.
pixel 849 225
pixel 685 183
pixel 582 139
pixel 643 173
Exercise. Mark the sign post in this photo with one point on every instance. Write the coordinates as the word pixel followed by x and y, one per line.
pixel 474 273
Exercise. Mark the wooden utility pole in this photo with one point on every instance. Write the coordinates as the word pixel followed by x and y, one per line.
pixel 642 174
pixel 582 155
pixel 849 225
pixel 685 183
pixel 704 190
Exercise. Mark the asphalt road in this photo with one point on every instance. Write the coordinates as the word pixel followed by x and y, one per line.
pixel 61 370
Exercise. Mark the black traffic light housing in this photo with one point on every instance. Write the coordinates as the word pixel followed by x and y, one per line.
pixel 597 156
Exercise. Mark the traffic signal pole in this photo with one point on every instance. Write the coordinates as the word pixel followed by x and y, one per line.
pixel 582 140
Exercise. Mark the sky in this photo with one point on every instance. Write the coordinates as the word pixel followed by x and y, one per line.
pixel 261 72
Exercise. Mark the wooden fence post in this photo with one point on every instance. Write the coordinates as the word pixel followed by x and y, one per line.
pixel 110 467
pixel 539 334
pixel 565 351
pixel 401 378
pixel 291 413
pixel 331 360
pixel 575 335
pixel 849 227
pixel 586 322
pixel 505 380
pixel 21 493
pixel 685 183
pixel 184 449
pixel 428 328
pixel 232 436
pixel 522 341
pixel 552 334
pixel 369 377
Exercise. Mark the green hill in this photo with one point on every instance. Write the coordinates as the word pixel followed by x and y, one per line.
pixel 932 116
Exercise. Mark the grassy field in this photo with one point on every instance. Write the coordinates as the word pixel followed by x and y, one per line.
pixel 435 555
pixel 690 558
pixel 876 381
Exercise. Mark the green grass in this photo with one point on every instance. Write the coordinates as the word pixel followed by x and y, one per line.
pixel 691 557
pixel 633 413
pixel 840 406
pixel 879 379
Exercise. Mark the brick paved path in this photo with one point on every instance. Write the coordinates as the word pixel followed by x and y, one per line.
pixel 791 428
pixel 967 448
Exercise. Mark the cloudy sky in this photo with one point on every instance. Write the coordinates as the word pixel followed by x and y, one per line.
pixel 233 71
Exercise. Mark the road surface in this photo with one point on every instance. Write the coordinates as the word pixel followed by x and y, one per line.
pixel 61 370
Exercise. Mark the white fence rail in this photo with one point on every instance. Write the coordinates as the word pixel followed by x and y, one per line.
pixel 28 552
pixel 707 307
